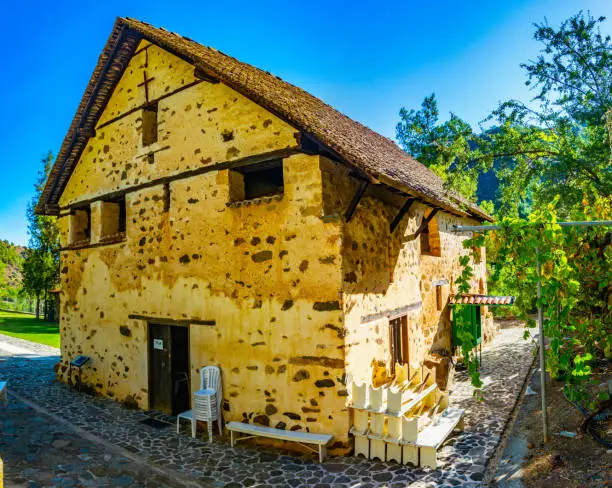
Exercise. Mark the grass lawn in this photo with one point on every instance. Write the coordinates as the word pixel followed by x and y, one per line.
pixel 25 326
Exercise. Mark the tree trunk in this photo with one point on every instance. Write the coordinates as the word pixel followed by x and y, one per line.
pixel 38 305
pixel 46 306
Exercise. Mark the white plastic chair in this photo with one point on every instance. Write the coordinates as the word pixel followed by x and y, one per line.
pixel 207 400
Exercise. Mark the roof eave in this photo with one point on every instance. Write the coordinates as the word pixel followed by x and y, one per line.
pixel 82 126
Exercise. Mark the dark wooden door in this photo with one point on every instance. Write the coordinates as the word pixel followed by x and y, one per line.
pixel 160 368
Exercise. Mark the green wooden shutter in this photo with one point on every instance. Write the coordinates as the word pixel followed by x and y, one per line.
pixel 470 315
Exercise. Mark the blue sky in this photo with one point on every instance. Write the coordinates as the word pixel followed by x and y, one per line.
pixel 367 59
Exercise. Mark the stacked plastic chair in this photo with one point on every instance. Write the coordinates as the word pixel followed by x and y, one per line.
pixel 207 400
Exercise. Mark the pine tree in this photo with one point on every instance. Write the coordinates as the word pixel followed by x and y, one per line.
pixel 41 263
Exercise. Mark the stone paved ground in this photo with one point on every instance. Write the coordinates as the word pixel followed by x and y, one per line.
pixel 39 450
pixel 103 444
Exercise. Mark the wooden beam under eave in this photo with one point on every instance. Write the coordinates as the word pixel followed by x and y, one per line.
pixel 400 215
pixel 204 74
pixel 363 186
pixel 236 163
pixel 425 222
pixel 52 209
pixel 170 321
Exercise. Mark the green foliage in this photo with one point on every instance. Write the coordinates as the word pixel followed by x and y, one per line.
pixel 9 253
pixel 10 258
pixel 574 266
pixel 557 144
pixel 439 146
pixel 24 326
pixel 467 349
pixel 576 276
pixel 41 263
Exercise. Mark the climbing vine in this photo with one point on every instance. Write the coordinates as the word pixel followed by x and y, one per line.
pixel 576 276
pixel 467 347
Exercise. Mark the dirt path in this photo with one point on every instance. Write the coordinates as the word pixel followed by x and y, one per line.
pixel 562 462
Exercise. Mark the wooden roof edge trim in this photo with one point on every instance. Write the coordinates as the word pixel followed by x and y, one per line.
pixel 480 299
pixel 77 128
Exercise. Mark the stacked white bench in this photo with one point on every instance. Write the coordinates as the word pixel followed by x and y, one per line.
pixel 406 421
pixel 302 438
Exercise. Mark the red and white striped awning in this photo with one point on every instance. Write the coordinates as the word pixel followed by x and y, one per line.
pixel 482 300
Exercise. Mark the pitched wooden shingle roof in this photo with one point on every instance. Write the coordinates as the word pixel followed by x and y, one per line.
pixel 375 157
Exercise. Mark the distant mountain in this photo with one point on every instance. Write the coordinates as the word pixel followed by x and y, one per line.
pixel 488 184
pixel 11 257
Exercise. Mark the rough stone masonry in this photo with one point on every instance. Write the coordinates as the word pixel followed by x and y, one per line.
pixel 281 291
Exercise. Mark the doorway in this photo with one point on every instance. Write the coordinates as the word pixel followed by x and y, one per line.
pixel 169 384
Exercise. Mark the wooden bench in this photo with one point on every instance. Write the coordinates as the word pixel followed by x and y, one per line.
pixel 4 393
pixel 302 438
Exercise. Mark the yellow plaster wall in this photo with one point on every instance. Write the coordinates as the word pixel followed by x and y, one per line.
pixel 210 123
pixel 383 272
pixel 268 274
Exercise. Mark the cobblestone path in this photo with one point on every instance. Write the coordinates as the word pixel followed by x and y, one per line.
pixel 52 436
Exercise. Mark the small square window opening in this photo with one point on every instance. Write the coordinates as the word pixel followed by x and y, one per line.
pixel 257 181
pixel 149 125
pixel 80 225
pixel 430 239
pixel 113 218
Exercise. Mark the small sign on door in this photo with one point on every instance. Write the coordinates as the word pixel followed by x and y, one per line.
pixel 158 344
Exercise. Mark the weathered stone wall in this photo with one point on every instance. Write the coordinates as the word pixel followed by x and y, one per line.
pixel 200 125
pixel 267 273
pixel 293 291
pixel 385 273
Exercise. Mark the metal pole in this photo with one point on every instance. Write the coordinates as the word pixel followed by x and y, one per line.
pixel 484 228
pixel 542 352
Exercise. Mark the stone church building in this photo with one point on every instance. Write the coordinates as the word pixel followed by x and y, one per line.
pixel 214 214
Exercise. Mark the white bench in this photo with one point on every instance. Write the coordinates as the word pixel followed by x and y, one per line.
pixel 433 436
pixel 4 392
pixel 302 438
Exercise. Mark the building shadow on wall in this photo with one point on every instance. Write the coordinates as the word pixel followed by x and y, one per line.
pixel 386 266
